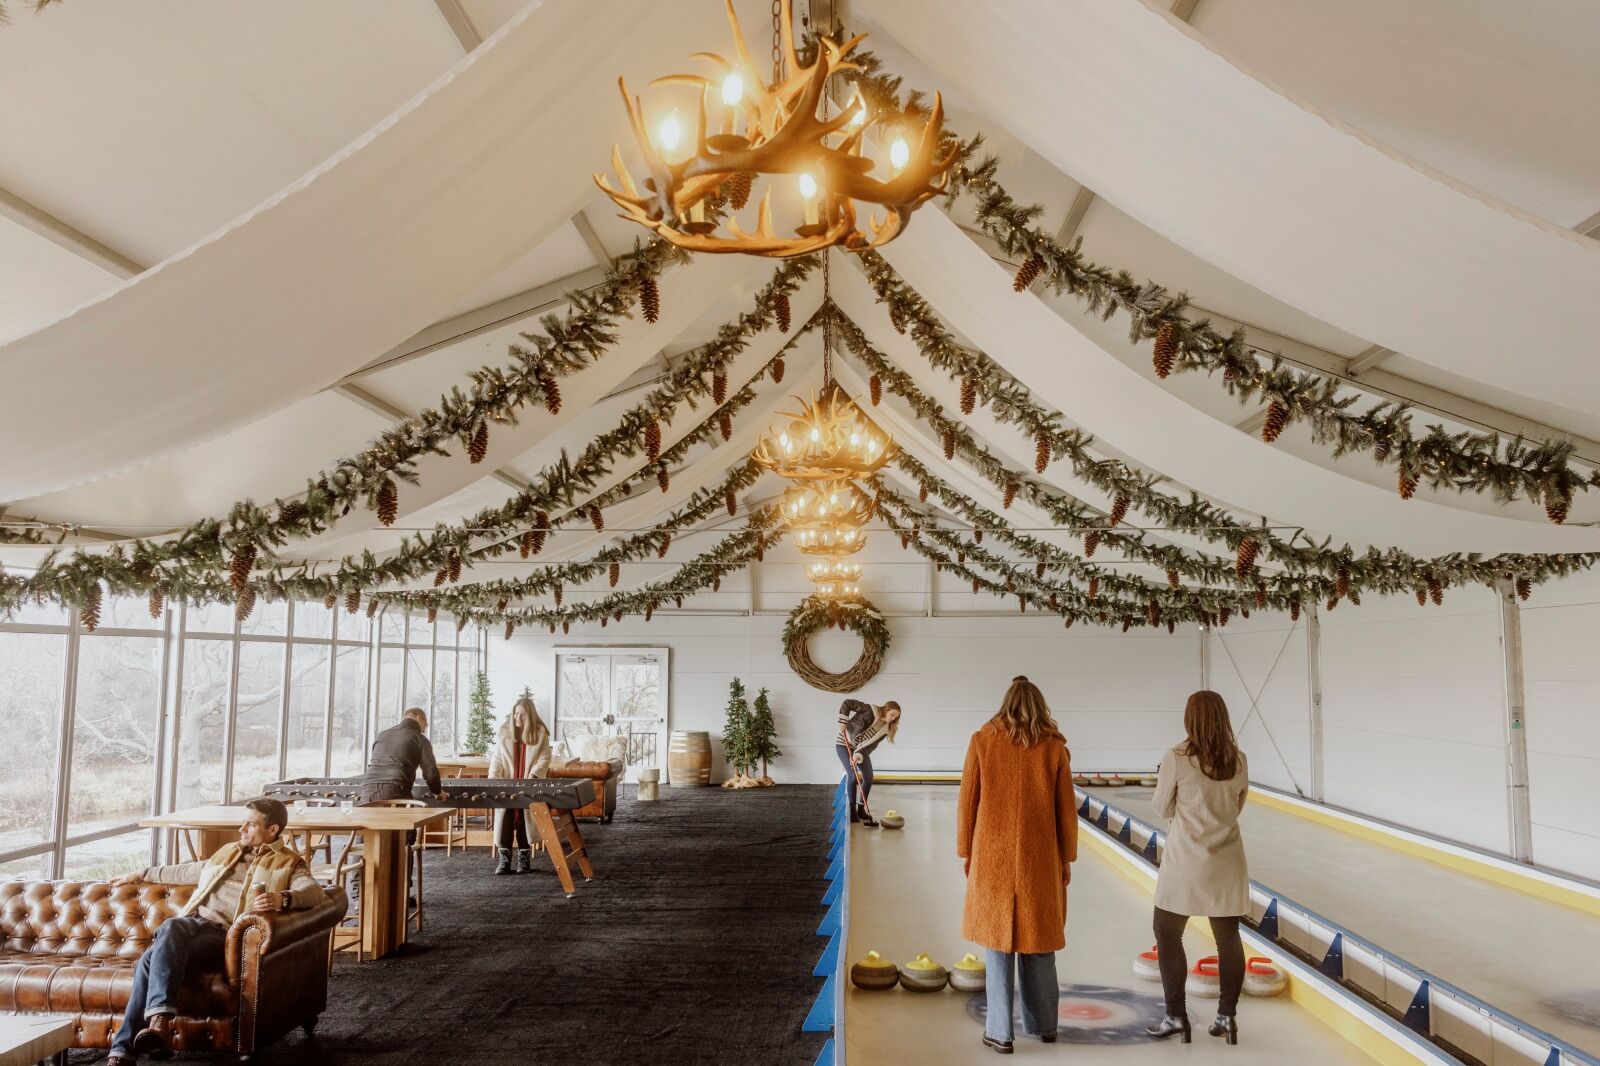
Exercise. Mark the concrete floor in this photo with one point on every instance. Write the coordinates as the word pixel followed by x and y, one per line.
pixel 906 896
pixel 1536 960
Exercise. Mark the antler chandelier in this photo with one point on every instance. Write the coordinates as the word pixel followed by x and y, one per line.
pixel 765 130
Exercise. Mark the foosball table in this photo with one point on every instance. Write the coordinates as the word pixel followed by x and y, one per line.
pixel 549 803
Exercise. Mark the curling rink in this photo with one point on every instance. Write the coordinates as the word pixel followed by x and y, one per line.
pixel 905 898
pixel 1532 958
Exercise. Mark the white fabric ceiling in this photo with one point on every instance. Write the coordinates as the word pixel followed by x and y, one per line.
pixel 477 191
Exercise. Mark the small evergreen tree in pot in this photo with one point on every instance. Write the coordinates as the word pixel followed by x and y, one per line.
pixel 480 717
pixel 763 739
pixel 736 738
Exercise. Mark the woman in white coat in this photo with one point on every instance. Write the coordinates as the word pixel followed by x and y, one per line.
pixel 522 749
pixel 1200 790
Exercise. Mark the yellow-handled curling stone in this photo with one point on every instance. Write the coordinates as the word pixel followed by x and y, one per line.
pixel 968 974
pixel 892 820
pixel 922 974
pixel 874 973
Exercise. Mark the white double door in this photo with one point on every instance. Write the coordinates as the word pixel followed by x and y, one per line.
pixel 617 693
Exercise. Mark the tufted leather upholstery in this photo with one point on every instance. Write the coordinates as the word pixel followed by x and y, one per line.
pixel 70 947
pixel 606 774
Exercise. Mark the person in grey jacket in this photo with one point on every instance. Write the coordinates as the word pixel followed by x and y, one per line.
pixel 397 754
pixel 863 727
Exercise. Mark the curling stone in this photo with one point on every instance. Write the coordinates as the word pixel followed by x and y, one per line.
pixel 1263 977
pixel 1205 979
pixel 874 973
pixel 1114 781
pixel 892 820
pixel 968 974
pixel 1147 965
pixel 922 974
pixel 1080 779
pixel 1097 779
pixel 1148 780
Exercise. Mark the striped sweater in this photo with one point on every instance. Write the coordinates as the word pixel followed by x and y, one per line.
pixel 861 726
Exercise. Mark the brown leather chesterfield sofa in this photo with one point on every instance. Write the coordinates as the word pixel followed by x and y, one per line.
pixel 69 947
pixel 606 775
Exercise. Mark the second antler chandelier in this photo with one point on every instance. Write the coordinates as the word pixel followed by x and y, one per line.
pixel 768 130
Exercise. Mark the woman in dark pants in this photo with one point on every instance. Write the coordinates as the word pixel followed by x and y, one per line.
pixel 1200 790
pixel 863 727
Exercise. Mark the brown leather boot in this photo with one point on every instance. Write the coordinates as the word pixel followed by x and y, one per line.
pixel 155 1039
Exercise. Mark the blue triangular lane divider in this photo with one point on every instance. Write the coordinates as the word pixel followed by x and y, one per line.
pixel 1084 809
pixel 825 1056
pixel 1416 1018
pixel 1125 834
pixel 1553 1060
pixel 829 961
pixel 1268 926
pixel 830 921
pixel 820 1018
pixel 835 868
pixel 1104 821
pixel 1332 963
pixel 1150 849
pixel 833 892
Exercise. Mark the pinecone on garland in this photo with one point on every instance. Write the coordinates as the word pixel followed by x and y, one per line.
pixel 782 311
pixel 1067 623
pixel 292 512
pixel 1225 614
pixel 597 518
pixel 1341 583
pixel 875 389
pixel 678 601
pixel 372 608
pixel 478 446
pixel 761 547
pixel 725 424
pixel 452 563
pixel 433 615
pixel 441 577
pixel 1172 578
pixel 615 574
pixel 566 627
pixel 500 605
pixel 969 395
pixel 556 592
pixel 1436 591
pixel 961 558
pixel 977 535
pixel 1028 273
pixel 1165 353
pixel 541 530
pixel 388 502
pixel 1010 494
pixel 1127 623
pixel 1119 511
pixel 89 610
pixel 1038 575
pixel 1294 609
pixel 650 299
pixel 1152 613
pixel 551 390
pixel 666 543
pixel 1355 597
pixel 716 579
pixel 158 601
pixel 1277 418
pixel 905 542
pixel 1524 588
pixel 244 602
pixel 1244 612
pixel 525 544
pixel 719 387
pixel 1091 541
pixel 922 492
pixel 652 440
pixel 1022 604
pixel 974 586
pixel 1172 627
pixel 649 610
pixel 1422 596
pixel 244 560
pixel 1230 374
pixel 777 371
pixel 1407 485
pixel 1333 601
pixel 949 440
pixel 1245 561
pixel 330 601
pixel 352 600
pixel 1261 597
pixel 738 188
pixel 897 319
pixel 1041 450
pixel 511 627
pixel 663 477
pixel 1555 507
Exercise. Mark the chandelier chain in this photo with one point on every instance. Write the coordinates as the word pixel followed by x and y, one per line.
pixel 827 322
pixel 777 47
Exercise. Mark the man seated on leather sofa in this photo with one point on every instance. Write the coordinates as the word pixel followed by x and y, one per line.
pixel 258 874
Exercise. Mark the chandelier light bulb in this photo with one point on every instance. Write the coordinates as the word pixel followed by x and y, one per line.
pixel 671 134
pixel 732 89
pixel 899 153
pixel 808 186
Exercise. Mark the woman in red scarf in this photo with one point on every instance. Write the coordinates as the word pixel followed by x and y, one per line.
pixel 521 750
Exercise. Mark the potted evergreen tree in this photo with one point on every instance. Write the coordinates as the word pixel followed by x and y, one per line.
pixel 736 738
pixel 763 739
pixel 480 717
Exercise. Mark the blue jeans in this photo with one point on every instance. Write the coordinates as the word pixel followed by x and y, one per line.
pixel 181 942
pixel 866 777
pixel 1041 995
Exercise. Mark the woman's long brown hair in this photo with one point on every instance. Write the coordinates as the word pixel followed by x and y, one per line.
pixel 1205 719
pixel 532 723
pixel 1025 716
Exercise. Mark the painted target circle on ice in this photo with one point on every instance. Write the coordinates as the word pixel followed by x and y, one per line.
pixel 1092 1014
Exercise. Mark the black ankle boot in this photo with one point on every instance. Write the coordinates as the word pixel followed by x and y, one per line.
pixel 866 819
pixel 524 861
pixel 502 862
pixel 1225 1025
pixel 1169 1026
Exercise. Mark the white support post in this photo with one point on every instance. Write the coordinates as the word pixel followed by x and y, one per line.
pixel 1314 693
pixel 1517 807
pixel 1205 657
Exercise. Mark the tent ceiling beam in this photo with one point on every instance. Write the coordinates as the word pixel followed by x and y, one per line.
pixel 361 396
pixel 460 24
pixel 41 223
pixel 1366 360
pixel 591 239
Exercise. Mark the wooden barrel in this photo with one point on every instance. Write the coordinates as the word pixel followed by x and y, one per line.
pixel 689 758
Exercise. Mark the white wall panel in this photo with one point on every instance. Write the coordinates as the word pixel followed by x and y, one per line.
pixel 1265 657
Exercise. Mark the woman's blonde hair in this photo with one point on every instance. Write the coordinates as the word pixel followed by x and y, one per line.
pixel 1210 736
pixel 880 713
pixel 532 723
pixel 1025 716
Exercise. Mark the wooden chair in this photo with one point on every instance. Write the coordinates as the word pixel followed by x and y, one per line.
pixel 350 863
pixel 447 830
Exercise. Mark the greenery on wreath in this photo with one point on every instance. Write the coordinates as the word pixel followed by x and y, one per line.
pixel 858 616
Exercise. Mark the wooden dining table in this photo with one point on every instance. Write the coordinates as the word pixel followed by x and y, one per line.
pixel 383 831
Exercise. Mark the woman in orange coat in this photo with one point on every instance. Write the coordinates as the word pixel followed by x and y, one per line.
pixel 1017 829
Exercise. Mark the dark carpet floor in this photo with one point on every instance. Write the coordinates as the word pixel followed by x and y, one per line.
pixel 693 944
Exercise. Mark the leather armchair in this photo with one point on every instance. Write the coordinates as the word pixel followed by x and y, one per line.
pixel 70 947
pixel 606 774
